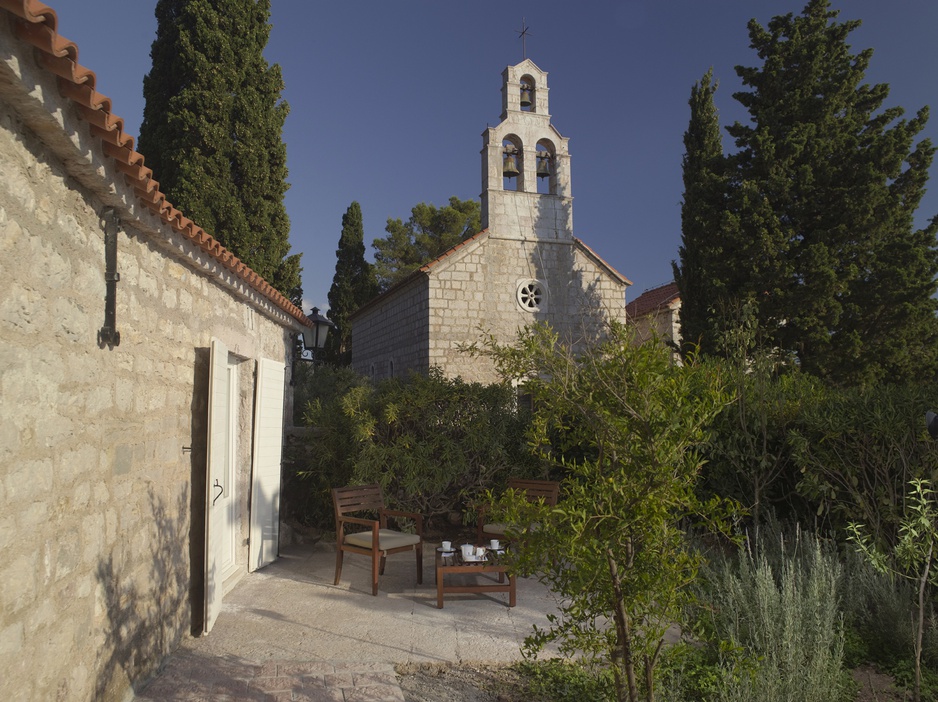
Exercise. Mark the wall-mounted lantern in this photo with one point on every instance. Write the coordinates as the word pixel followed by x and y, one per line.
pixel 310 341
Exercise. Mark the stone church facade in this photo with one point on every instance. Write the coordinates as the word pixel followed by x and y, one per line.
pixel 525 266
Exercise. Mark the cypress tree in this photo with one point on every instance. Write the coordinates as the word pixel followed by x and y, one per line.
pixel 212 129
pixel 352 285
pixel 820 207
pixel 702 211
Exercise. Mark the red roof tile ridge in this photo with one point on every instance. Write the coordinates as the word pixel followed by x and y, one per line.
pixel 653 299
pixel 37 25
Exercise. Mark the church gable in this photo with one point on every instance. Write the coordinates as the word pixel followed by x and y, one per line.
pixel 525 267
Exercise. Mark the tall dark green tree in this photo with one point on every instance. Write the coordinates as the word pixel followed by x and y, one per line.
pixel 702 211
pixel 352 285
pixel 820 207
pixel 429 232
pixel 212 129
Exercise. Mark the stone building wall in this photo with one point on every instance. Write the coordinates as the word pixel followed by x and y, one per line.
pixel 102 449
pixel 390 336
pixel 477 291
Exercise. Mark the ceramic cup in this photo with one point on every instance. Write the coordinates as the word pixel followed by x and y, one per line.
pixel 447 545
pixel 493 544
pixel 480 552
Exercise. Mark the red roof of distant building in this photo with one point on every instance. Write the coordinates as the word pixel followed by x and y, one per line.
pixel 653 300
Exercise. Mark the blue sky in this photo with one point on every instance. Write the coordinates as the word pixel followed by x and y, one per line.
pixel 389 99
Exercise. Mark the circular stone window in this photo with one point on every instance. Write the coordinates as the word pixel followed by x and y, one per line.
pixel 532 295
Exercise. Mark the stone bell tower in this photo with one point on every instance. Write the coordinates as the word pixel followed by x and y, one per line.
pixel 526 164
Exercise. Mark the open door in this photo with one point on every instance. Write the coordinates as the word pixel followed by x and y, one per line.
pixel 268 450
pixel 219 402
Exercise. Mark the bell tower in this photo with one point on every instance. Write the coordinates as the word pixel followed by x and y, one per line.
pixel 526 190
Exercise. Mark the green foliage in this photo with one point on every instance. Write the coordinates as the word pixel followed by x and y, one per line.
pixel 817 224
pixel 858 449
pixel 689 673
pixel 429 232
pixel 353 285
pixel 324 457
pixel 774 612
pixel 750 454
pixel 878 614
pixel 629 423
pixel 565 681
pixel 212 127
pixel 434 444
pixel 912 558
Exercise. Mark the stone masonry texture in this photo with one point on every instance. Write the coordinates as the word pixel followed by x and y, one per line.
pixel 102 449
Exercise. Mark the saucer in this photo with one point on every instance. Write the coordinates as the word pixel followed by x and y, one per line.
pixel 446 553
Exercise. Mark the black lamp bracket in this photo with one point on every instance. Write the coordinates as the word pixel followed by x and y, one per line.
pixel 108 334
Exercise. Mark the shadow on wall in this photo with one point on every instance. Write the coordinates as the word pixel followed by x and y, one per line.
pixel 145 608
pixel 576 308
pixel 198 440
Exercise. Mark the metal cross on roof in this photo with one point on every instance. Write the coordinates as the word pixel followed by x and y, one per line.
pixel 524 35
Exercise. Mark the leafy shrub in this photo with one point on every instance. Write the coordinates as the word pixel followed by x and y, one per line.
pixel 562 680
pixel 434 444
pixel 858 449
pixel 780 622
pixel 878 612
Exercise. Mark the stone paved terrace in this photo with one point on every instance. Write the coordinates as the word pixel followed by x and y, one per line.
pixel 287 633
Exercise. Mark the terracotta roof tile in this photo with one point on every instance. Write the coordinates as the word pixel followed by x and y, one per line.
pixel 37 24
pixel 652 300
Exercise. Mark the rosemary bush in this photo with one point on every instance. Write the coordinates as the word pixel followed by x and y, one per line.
pixel 781 630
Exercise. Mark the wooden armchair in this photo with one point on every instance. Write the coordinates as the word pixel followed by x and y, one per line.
pixel 534 490
pixel 377 541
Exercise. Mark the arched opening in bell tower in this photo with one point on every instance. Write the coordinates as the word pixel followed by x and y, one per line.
pixel 546 168
pixel 528 94
pixel 512 164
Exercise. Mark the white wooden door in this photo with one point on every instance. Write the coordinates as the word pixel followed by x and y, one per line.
pixel 268 449
pixel 216 511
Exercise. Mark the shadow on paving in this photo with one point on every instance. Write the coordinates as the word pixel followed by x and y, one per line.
pixel 287 633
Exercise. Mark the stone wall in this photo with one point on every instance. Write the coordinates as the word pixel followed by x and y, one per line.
pixel 102 449
pixel 477 291
pixel 390 337
pixel 474 291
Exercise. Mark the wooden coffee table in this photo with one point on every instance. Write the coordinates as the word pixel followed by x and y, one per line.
pixel 451 565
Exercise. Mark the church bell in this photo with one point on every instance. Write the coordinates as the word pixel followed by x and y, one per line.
pixel 543 166
pixel 525 95
pixel 510 166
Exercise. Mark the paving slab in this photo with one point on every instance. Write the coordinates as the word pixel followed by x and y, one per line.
pixel 286 632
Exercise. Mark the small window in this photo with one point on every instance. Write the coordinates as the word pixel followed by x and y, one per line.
pixel 532 295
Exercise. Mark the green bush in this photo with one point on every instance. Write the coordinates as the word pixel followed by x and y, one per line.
pixel 562 680
pixel 878 611
pixel 857 450
pixel 321 454
pixel 779 625
pixel 434 444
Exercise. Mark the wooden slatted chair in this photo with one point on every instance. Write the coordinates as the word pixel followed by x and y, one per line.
pixel 534 490
pixel 377 541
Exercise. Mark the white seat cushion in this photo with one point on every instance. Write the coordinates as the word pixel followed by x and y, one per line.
pixel 495 529
pixel 387 539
